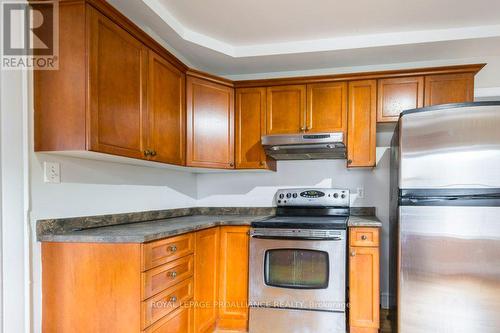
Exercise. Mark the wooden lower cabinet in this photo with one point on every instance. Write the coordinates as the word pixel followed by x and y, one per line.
pixel 233 280
pixel 364 280
pixel 206 279
pixel 195 282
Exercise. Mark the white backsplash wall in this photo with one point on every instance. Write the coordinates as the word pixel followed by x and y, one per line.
pixel 258 189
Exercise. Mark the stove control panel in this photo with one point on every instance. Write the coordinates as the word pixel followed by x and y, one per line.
pixel 319 197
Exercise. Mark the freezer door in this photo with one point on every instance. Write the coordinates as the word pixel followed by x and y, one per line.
pixel 450 147
pixel 449 269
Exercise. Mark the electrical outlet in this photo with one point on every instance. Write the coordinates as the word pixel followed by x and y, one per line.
pixel 51 172
pixel 361 192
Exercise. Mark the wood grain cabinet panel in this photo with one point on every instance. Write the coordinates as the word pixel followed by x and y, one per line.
pixel 364 290
pixel 118 83
pixel 398 94
pixel 167 301
pixel 179 321
pixel 326 107
pixel 167 111
pixel 449 88
pixel 250 126
pixel 91 287
pixel 206 279
pixel 160 278
pixel 286 107
pixel 362 123
pixel 233 285
pixel 166 250
pixel 210 124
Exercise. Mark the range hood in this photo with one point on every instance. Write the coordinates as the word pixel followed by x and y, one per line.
pixel 317 146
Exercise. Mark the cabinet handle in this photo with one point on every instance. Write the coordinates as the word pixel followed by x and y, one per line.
pixel 303 129
pixel 173 299
pixel 308 128
pixel 153 152
pixel 173 275
pixel 262 163
pixel 363 237
pixel 147 152
pixel 231 165
pixel 353 253
pixel 349 161
pixel 172 248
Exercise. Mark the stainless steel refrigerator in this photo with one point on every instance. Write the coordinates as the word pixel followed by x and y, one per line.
pixel 445 219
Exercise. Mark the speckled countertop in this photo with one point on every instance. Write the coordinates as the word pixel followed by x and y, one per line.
pixel 128 228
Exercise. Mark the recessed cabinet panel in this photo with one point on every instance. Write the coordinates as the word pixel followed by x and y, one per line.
pixel 286 109
pixel 250 126
pixel 327 107
pixel 364 290
pixel 210 127
pixel 362 124
pixel 233 286
pixel 398 94
pixel 118 82
pixel 451 88
pixel 166 111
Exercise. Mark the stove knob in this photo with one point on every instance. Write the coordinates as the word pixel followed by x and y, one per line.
pixel 288 195
pixel 282 196
pixel 336 195
pixel 295 195
pixel 279 201
pixel 343 196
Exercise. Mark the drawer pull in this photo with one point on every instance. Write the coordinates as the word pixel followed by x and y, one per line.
pixel 172 248
pixel 353 253
pixel 364 237
pixel 173 299
pixel 173 275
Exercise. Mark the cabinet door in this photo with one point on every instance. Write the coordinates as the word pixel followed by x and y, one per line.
pixel 206 279
pixel 362 123
pixel 118 79
pixel 449 88
pixel 166 111
pixel 398 94
pixel 250 126
pixel 364 288
pixel 210 128
pixel 286 107
pixel 327 107
pixel 233 282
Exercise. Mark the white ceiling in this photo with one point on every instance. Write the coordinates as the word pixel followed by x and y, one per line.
pixel 236 37
pixel 240 22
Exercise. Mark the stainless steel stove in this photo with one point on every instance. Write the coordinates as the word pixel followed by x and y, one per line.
pixel 298 264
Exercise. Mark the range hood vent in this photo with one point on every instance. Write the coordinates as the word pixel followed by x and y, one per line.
pixel 318 146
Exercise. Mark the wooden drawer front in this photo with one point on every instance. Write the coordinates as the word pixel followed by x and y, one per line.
pixel 165 276
pixel 179 321
pixel 364 237
pixel 165 302
pixel 163 251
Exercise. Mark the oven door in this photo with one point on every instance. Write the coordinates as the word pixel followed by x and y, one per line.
pixel 298 273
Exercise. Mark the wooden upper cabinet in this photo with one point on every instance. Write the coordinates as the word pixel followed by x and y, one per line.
pixel 449 88
pixel 210 124
pixel 362 123
pixel 166 111
pixel 326 107
pixel 250 112
pixel 398 94
pixel 118 82
pixel 286 107
pixel 206 279
pixel 233 280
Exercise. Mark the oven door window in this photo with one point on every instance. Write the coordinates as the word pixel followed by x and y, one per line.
pixel 296 268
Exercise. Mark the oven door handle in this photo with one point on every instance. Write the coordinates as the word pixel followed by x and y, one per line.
pixel 335 238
